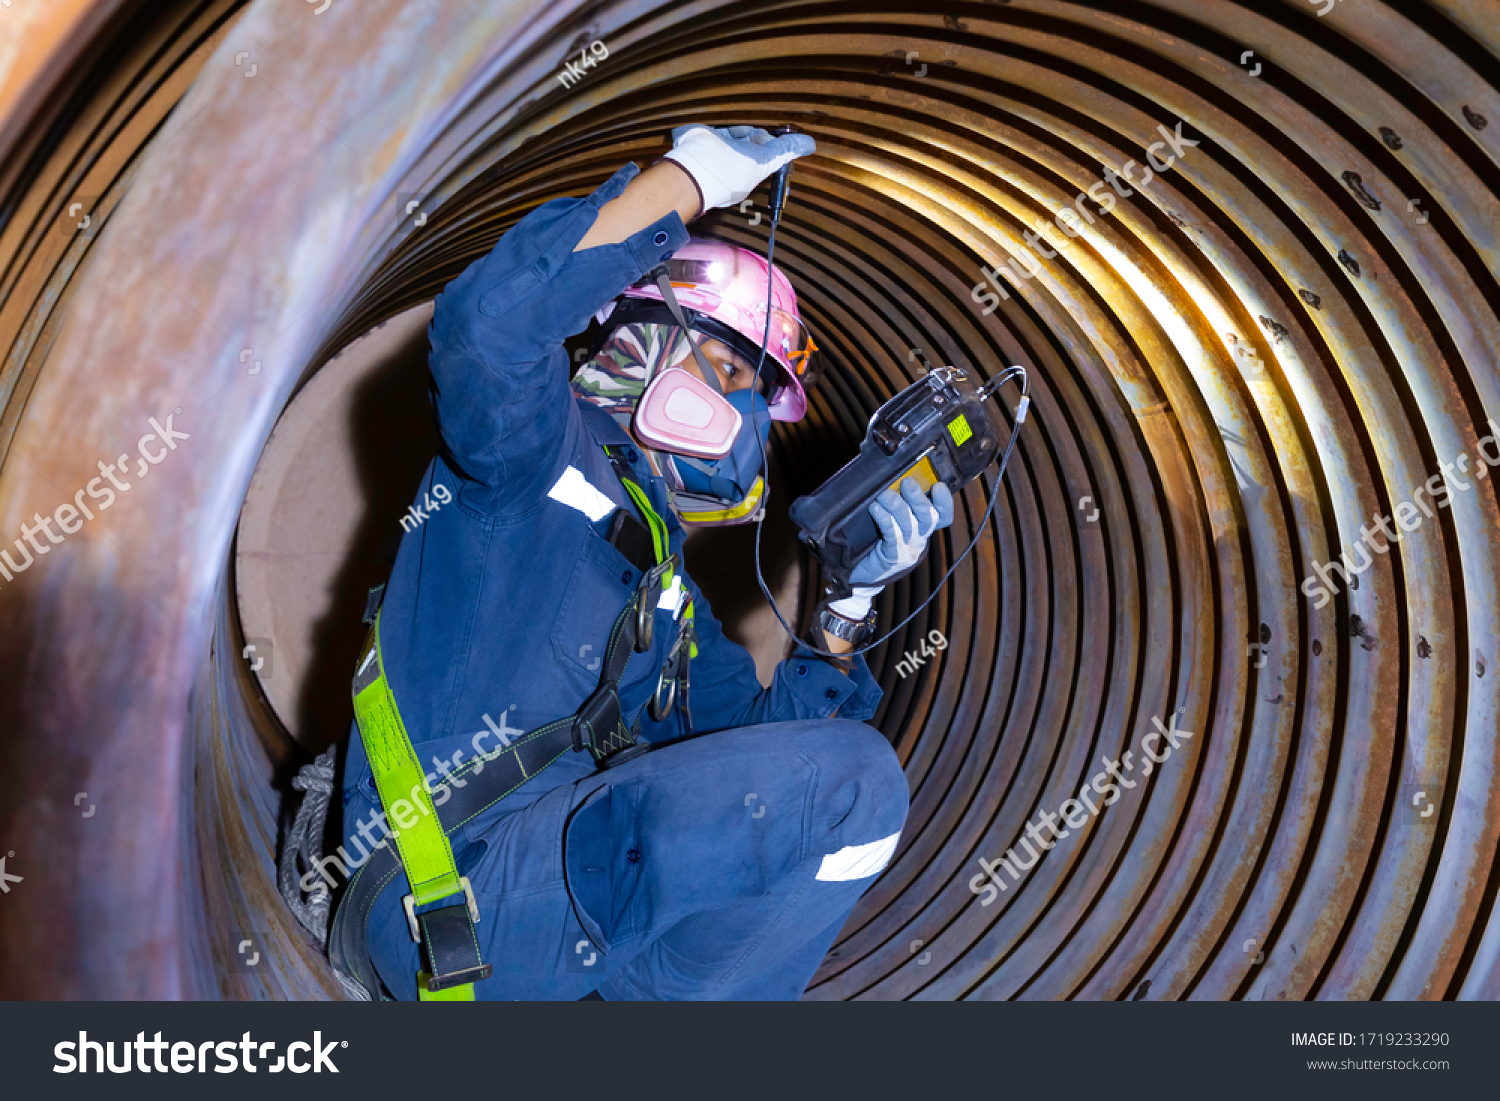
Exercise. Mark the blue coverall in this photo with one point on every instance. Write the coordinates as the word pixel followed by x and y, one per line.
pixel 718 866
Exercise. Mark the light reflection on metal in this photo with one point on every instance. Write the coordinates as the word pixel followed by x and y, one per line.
pixel 1241 364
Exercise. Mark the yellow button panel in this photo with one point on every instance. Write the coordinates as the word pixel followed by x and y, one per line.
pixel 923 472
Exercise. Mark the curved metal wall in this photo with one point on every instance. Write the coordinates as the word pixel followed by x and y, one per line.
pixel 1268 345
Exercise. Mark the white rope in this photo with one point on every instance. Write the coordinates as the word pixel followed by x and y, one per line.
pixel 305 840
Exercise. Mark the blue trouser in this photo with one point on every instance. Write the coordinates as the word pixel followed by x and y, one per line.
pixel 719 867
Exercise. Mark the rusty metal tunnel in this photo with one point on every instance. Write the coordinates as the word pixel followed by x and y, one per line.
pixel 1280 329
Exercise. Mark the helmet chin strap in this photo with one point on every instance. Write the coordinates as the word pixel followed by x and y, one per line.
pixel 710 376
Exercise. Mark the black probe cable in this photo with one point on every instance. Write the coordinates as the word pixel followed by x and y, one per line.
pixel 991 387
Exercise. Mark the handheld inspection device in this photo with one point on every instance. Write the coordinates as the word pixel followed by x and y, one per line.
pixel 941 428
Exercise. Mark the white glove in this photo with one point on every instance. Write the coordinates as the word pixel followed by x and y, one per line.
pixel 906 522
pixel 857 606
pixel 727 163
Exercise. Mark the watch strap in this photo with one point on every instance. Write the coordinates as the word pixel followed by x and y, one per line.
pixel 842 627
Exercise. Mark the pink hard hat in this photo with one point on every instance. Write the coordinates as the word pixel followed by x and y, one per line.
pixel 725 286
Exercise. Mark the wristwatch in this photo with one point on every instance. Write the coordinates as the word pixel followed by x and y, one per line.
pixel 850 630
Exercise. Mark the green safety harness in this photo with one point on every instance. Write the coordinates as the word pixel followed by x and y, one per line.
pixel 441 910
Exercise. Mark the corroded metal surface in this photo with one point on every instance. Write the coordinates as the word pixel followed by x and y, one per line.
pixel 1272 343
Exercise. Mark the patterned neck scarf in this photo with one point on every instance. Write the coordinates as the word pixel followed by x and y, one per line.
pixel 615 378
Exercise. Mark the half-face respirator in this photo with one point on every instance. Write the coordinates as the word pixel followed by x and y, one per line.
pixel 730 488
pixel 683 415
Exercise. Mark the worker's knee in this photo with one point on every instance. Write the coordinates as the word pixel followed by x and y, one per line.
pixel 860 793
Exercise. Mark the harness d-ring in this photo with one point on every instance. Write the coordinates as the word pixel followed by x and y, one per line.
pixel 645 622
pixel 659 710
pixel 647 594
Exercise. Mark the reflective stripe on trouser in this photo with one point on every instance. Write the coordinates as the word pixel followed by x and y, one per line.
pixel 693 870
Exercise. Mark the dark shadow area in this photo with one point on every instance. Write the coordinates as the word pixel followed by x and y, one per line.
pixel 395 439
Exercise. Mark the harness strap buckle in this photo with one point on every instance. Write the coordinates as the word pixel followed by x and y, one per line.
pixel 453 954
pixel 465 976
pixel 409 903
pixel 602 718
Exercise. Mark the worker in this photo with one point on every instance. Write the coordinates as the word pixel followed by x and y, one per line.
pixel 628 814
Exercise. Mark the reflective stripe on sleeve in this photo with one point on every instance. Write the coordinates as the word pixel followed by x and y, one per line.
pixel 576 491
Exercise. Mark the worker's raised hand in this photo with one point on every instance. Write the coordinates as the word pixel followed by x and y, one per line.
pixel 729 162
